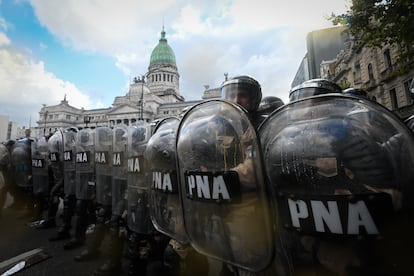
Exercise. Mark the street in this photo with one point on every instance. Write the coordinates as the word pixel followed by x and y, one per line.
pixel 16 237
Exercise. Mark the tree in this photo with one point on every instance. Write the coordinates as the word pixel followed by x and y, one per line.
pixel 380 22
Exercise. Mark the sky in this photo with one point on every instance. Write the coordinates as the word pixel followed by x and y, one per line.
pixel 89 51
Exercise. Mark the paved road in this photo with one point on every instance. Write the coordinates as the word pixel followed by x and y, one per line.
pixel 16 238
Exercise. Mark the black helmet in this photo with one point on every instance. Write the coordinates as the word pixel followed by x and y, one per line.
pixel 84 137
pixel 243 86
pixel 9 143
pixel 357 92
pixel 120 134
pixel 269 104
pixel 104 135
pixel 312 88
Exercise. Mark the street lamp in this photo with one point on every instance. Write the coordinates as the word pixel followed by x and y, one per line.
pixel 44 130
pixel 86 120
pixel 141 101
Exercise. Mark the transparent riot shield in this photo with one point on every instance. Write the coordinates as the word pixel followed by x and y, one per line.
pixel 69 167
pixel 4 157
pixel 40 166
pixel 21 161
pixel 221 184
pixel 85 164
pixel 138 180
pixel 340 170
pixel 160 157
pixel 4 164
pixel 410 122
pixel 119 165
pixel 103 167
pixel 55 144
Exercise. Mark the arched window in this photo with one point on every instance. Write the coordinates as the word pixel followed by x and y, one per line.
pixel 370 72
pixel 387 58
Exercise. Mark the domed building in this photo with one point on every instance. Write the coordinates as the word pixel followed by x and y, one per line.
pixel 152 96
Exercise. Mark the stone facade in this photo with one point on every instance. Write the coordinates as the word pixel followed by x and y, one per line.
pixel 375 70
pixel 150 97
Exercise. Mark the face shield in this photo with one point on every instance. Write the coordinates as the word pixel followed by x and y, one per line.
pixel 312 88
pixel 244 91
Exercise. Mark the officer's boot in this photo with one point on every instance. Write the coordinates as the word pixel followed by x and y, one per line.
pixel 50 222
pixel 114 265
pixel 69 202
pixel 137 258
pixel 92 249
pixel 81 223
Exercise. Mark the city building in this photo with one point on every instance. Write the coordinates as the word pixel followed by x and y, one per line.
pixel 376 70
pixel 9 129
pixel 333 54
pixel 150 97
pixel 324 44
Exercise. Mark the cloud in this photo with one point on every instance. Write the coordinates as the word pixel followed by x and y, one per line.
pixel 26 85
pixel 264 38
pixel 3 23
pixel 4 40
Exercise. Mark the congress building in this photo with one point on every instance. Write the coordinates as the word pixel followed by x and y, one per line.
pixel 150 97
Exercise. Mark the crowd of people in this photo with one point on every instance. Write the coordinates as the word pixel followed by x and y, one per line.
pixel 266 188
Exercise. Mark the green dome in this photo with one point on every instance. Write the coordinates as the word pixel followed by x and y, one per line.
pixel 162 53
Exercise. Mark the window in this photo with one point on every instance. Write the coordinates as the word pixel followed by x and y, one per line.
pixel 357 73
pixel 408 94
pixel 67 117
pixel 163 77
pixel 50 117
pixel 370 72
pixel 393 96
pixel 387 58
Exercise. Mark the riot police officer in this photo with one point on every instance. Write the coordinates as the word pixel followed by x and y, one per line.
pixel 69 187
pixel 119 203
pixel 55 149
pixel 103 168
pixel 7 173
pixel 245 91
pixel 330 168
pixel 221 180
pixel 313 87
pixel 85 186
pixel 22 170
pixel 357 92
pixel 268 105
pixel 178 257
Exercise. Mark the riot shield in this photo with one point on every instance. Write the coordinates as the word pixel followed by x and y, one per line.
pixel 410 122
pixel 160 157
pixel 55 144
pixel 85 164
pixel 103 167
pixel 21 161
pixel 4 157
pixel 40 166
pixel 221 184
pixel 119 165
pixel 340 169
pixel 138 180
pixel 69 168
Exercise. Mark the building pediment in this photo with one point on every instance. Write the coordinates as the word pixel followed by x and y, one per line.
pixel 123 109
